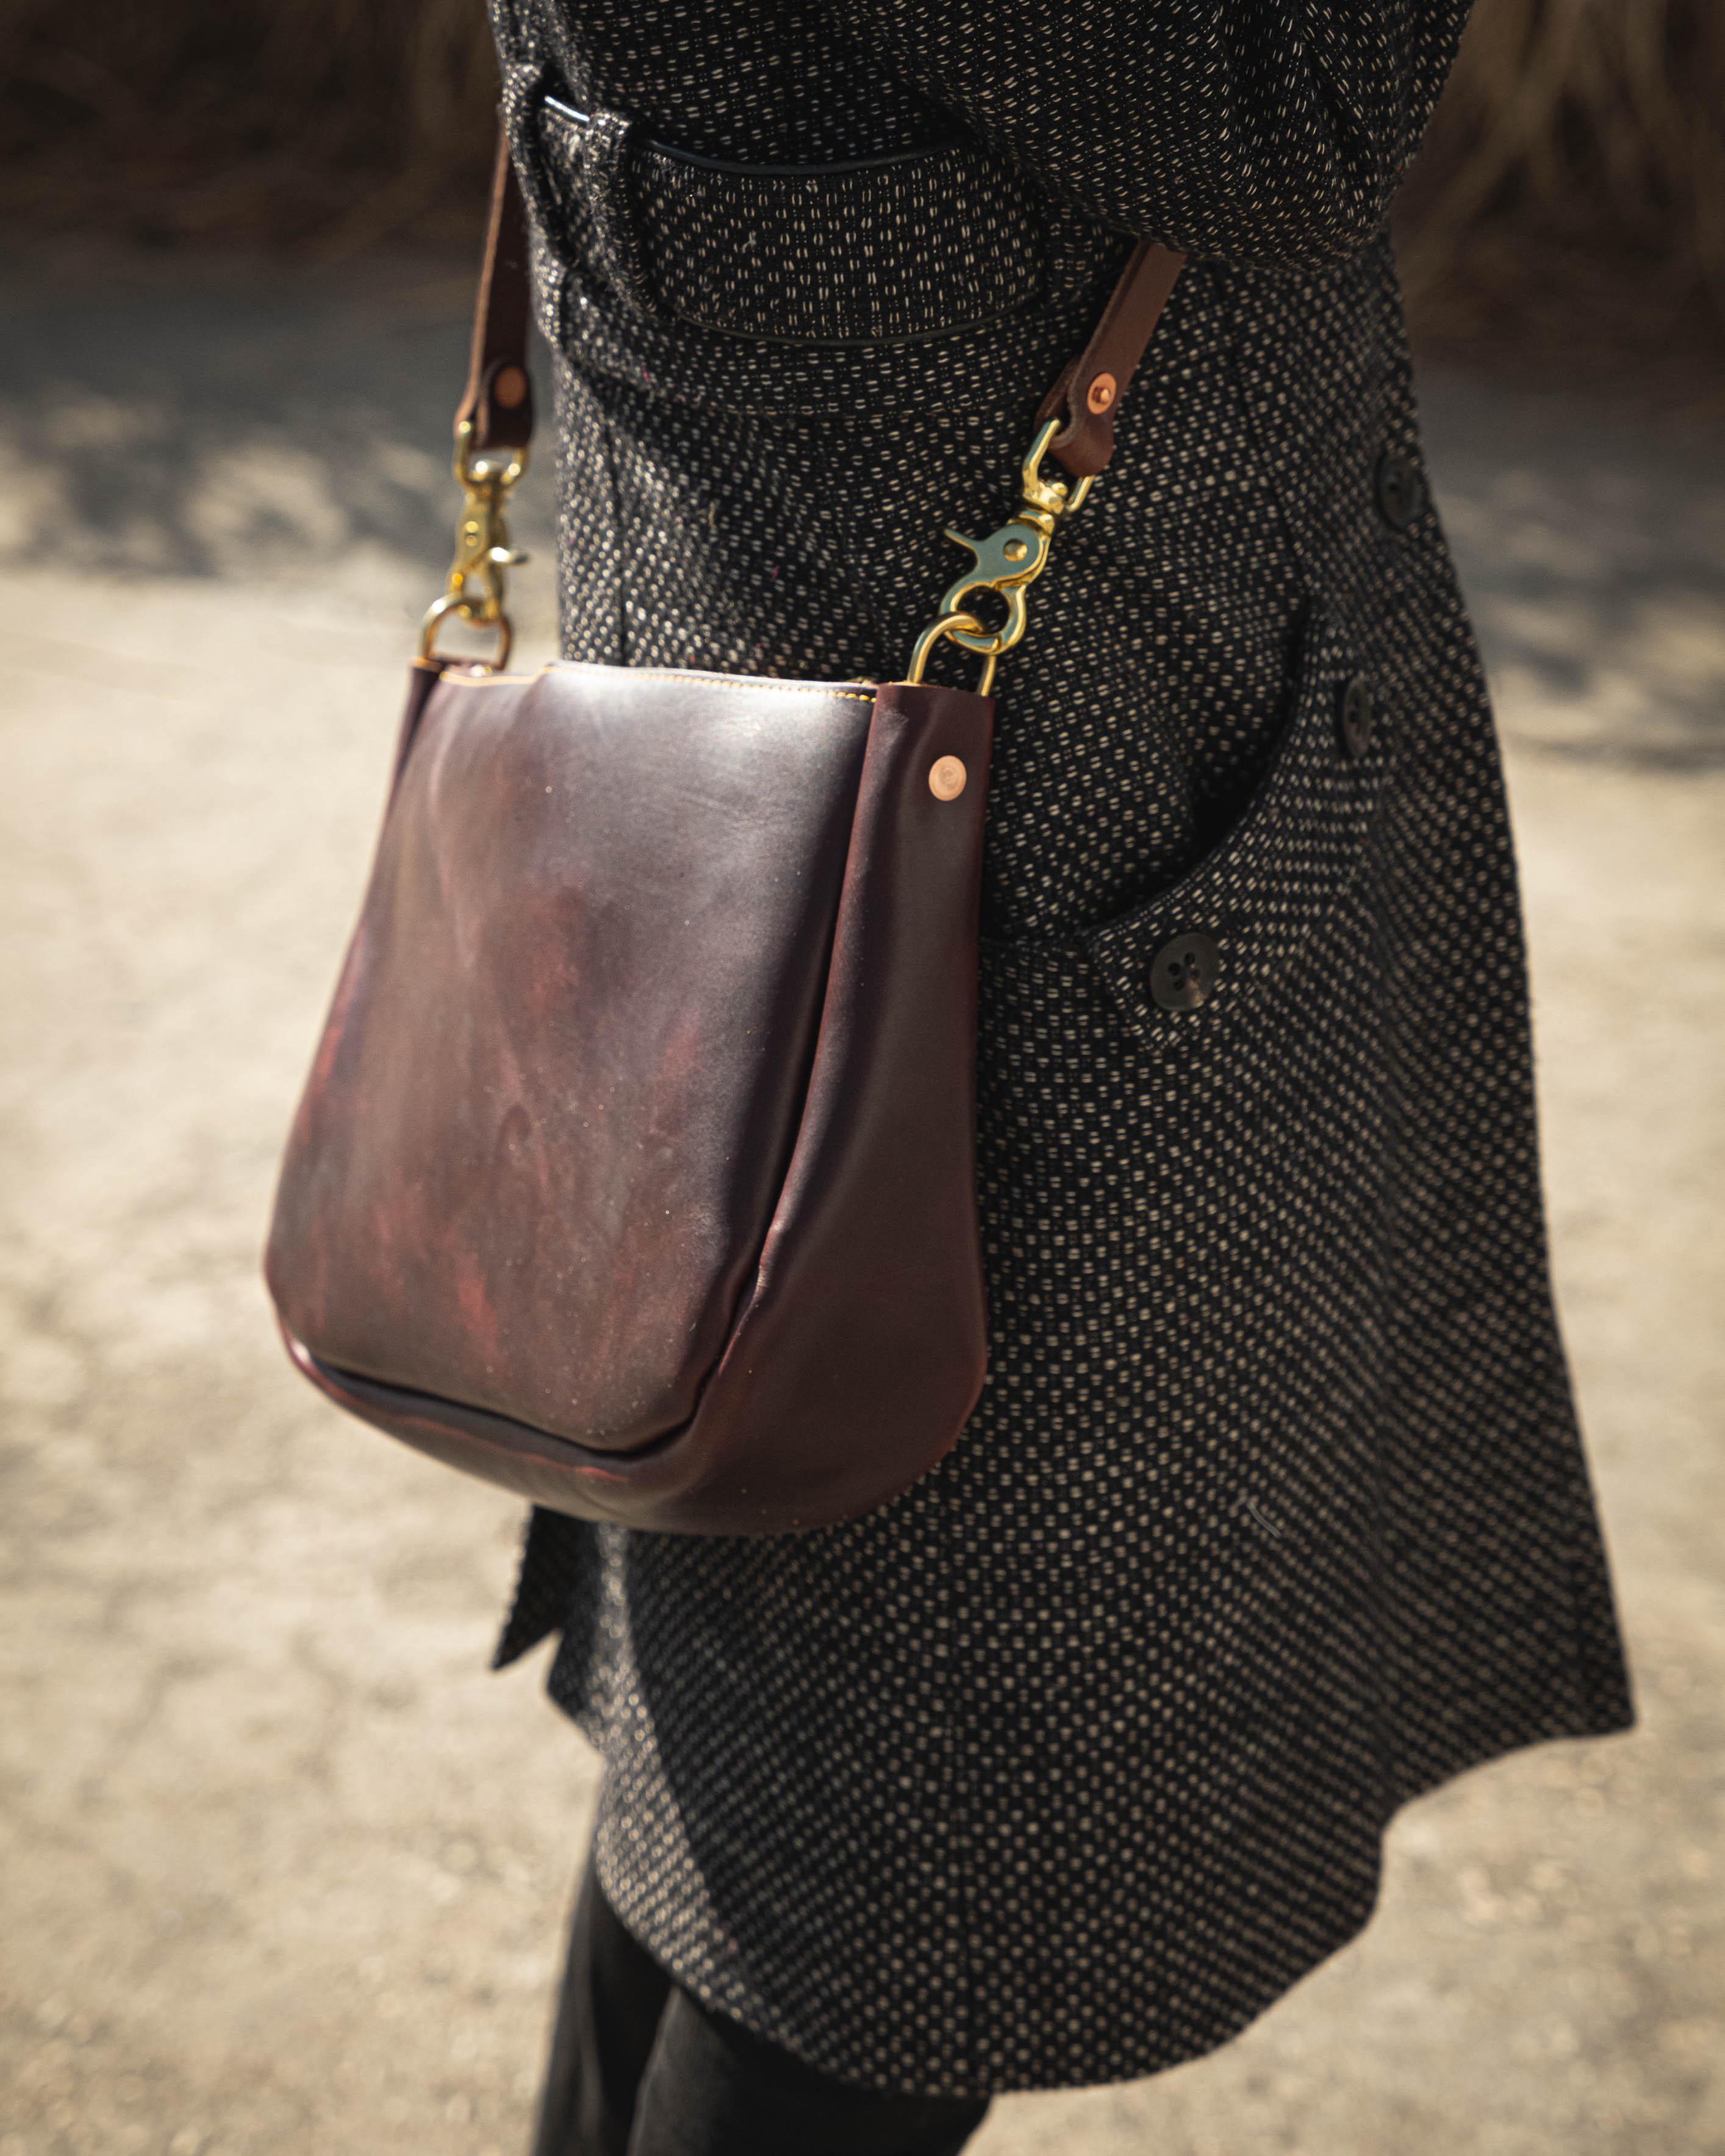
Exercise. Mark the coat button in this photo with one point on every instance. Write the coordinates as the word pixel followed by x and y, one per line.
pixel 1401 489
pixel 1184 973
pixel 1358 716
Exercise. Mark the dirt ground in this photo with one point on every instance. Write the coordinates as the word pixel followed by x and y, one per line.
pixel 284 1869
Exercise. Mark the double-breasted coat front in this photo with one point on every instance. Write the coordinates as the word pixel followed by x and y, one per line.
pixel 1064 1765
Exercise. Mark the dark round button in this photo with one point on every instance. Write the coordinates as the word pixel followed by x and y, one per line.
pixel 1360 715
pixel 1184 973
pixel 1401 489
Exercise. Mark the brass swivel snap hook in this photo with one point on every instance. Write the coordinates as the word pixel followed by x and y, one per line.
pixel 475 590
pixel 1007 562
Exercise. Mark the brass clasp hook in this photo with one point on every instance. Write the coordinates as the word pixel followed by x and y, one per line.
pixel 1007 562
pixel 474 589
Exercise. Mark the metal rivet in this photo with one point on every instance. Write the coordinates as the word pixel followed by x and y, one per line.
pixel 947 778
pixel 1101 392
pixel 510 387
pixel 1015 550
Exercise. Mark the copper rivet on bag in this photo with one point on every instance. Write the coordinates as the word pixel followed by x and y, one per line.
pixel 946 778
pixel 1101 392
pixel 509 389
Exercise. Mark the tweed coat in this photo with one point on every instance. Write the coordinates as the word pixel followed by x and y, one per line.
pixel 1063 1766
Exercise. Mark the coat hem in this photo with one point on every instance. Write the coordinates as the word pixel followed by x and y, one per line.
pixel 1616 1720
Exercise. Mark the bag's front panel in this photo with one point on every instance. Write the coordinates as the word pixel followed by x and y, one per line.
pixel 561 1081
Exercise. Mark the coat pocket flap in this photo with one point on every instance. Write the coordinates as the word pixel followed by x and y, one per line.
pixel 913 244
pixel 1189 959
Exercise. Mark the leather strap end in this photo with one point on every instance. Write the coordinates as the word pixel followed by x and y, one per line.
pixel 503 414
pixel 1089 390
pixel 498 399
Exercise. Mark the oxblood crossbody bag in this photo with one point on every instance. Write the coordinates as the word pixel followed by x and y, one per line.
pixel 635 1171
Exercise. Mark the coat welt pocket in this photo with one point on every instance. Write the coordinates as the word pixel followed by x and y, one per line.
pixel 873 250
pixel 1188 960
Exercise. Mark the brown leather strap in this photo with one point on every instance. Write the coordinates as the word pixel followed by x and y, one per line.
pixel 1090 389
pixel 499 396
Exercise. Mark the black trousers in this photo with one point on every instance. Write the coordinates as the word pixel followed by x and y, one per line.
pixel 638 2068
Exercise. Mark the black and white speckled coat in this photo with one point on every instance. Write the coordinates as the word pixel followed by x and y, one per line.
pixel 1065 1765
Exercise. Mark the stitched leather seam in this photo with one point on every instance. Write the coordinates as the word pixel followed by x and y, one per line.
pixel 749 681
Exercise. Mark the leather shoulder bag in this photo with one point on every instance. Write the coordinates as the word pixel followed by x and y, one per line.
pixel 635 1171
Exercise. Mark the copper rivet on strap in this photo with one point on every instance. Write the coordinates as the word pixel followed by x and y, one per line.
pixel 1101 392
pixel 947 778
pixel 510 387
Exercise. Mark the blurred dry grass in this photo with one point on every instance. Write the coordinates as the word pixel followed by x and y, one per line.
pixel 323 123
pixel 1570 202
